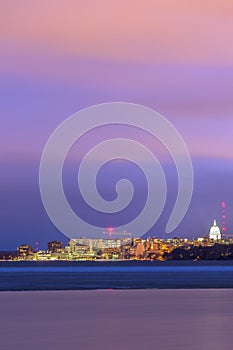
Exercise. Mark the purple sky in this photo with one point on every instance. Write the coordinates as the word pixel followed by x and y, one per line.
pixel 55 60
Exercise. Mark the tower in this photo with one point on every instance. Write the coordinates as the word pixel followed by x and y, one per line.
pixel 215 233
pixel 223 228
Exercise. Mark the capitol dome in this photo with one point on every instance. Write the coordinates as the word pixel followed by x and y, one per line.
pixel 215 233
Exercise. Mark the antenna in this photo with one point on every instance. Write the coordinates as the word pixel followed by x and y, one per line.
pixel 223 223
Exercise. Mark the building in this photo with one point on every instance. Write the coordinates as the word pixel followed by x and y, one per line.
pixel 111 243
pixel 25 251
pixel 215 233
pixel 97 244
pixel 81 248
pixel 55 247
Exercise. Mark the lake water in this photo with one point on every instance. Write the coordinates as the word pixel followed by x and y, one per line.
pixel 163 319
pixel 61 275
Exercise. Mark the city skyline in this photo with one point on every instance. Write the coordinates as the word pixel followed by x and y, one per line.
pixel 214 235
pixel 214 246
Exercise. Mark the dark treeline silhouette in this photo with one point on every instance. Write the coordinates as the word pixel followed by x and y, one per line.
pixel 215 252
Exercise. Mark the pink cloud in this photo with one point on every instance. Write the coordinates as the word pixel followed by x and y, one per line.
pixel 197 32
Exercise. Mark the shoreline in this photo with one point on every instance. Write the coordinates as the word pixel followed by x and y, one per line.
pixel 111 290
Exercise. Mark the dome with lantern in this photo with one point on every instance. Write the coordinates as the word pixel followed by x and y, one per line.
pixel 215 232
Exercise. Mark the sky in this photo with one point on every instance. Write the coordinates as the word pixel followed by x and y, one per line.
pixel 58 57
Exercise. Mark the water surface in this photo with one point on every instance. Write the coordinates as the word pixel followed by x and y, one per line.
pixel 60 275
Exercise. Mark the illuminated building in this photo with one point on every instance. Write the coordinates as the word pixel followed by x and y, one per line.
pixel 111 243
pixel 55 247
pixel 25 251
pixel 97 244
pixel 215 233
pixel 139 250
pixel 81 248
pixel 42 255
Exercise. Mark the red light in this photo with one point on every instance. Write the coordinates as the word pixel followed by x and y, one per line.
pixel 110 229
pixel 223 205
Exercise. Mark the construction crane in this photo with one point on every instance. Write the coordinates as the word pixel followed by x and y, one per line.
pixel 110 231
